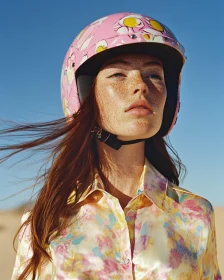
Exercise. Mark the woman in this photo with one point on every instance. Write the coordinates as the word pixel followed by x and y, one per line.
pixel 110 206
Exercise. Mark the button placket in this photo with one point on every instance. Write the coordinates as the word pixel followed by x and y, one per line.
pixel 125 244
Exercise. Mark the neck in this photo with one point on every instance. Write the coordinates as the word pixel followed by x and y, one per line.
pixel 121 170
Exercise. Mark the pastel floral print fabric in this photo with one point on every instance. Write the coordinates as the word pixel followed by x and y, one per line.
pixel 164 232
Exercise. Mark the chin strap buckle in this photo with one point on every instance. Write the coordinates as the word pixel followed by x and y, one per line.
pixel 97 131
pixel 111 139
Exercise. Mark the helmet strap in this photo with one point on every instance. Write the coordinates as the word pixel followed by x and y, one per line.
pixel 111 139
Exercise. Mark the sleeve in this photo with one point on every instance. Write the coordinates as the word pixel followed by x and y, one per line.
pixel 210 263
pixel 24 253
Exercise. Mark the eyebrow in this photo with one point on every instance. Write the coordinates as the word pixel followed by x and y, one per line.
pixel 148 63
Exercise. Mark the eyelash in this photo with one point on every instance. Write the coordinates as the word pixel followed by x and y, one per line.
pixel 155 76
pixel 117 75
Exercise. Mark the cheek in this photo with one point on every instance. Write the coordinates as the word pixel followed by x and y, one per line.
pixel 158 99
pixel 110 93
pixel 109 102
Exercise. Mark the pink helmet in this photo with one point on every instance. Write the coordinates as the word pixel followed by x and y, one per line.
pixel 113 35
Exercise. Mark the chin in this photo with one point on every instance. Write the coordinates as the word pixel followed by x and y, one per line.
pixel 133 130
pixel 137 135
pixel 141 130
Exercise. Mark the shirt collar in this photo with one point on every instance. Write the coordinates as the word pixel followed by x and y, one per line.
pixel 152 183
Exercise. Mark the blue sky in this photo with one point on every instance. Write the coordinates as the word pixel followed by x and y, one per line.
pixel 35 36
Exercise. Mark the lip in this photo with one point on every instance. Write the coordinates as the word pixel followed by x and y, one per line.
pixel 140 105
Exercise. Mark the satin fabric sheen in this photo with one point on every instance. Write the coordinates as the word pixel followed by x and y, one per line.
pixel 156 236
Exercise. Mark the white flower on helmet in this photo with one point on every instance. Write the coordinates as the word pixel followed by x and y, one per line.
pixel 129 24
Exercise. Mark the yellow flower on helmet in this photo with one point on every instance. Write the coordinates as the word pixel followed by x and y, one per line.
pixel 131 22
pixel 101 46
pixel 156 25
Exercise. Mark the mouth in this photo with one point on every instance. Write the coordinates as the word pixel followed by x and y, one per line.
pixel 140 107
pixel 140 111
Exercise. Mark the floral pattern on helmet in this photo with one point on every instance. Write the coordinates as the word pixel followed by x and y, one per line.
pixel 106 33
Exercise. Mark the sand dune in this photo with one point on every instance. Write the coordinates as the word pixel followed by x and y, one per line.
pixel 10 221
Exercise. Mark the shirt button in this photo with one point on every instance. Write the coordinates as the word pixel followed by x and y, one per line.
pixel 126 261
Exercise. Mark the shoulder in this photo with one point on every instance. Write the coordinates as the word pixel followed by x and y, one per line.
pixel 24 250
pixel 24 234
pixel 191 201
pixel 25 217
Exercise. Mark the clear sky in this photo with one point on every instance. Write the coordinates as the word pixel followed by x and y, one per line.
pixel 34 37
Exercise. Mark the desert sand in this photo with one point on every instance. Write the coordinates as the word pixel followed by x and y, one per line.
pixel 10 221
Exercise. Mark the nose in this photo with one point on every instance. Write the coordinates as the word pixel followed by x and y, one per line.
pixel 140 87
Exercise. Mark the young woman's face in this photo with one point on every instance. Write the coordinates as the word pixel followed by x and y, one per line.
pixel 122 81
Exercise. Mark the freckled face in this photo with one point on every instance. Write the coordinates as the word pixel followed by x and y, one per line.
pixel 124 80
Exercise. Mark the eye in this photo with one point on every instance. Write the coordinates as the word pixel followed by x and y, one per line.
pixel 155 76
pixel 117 75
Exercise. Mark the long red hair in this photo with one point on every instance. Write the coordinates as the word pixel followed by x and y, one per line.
pixel 73 157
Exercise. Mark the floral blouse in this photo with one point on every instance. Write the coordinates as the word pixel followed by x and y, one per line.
pixel 164 232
